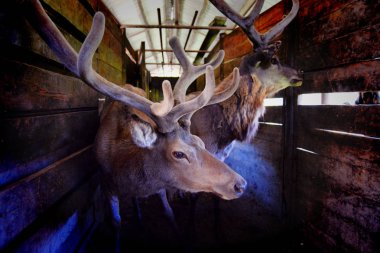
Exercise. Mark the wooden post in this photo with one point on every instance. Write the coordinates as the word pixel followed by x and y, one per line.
pixel 143 72
pixel 289 127
pixel 221 46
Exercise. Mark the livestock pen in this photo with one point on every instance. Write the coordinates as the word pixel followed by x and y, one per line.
pixel 312 169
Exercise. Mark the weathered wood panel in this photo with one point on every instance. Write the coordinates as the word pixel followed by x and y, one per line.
pixel 273 114
pixel 354 150
pixel 359 76
pixel 353 119
pixel 357 46
pixel 27 88
pixel 270 133
pixel 62 227
pixel 40 191
pixel 344 17
pixel 340 202
pixel 30 143
pixel 312 10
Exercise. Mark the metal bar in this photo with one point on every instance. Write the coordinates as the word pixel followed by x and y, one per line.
pixel 192 24
pixel 176 27
pixel 162 47
pixel 170 51
pixel 176 16
pixel 160 63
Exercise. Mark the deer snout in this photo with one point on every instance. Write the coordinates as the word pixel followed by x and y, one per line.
pixel 240 186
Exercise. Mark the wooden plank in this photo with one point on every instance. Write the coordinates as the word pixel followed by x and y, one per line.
pixel 273 114
pixel 362 45
pixel 347 18
pixel 40 191
pixel 62 227
pixel 268 150
pixel 360 76
pixel 353 119
pixel 27 88
pixel 332 175
pixel 354 150
pixel 333 195
pixel 29 144
pixel 271 133
pixel 311 10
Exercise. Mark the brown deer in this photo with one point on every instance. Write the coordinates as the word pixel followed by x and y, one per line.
pixel 144 147
pixel 262 75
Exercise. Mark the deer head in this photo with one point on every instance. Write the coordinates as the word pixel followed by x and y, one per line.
pixel 145 146
pixel 263 62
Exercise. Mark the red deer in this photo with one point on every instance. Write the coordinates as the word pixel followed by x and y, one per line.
pixel 262 75
pixel 142 146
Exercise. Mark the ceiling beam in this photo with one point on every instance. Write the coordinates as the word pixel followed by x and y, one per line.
pixel 176 27
pixel 160 63
pixel 170 51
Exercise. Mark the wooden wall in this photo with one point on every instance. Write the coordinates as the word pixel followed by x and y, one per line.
pixel 338 185
pixel 49 192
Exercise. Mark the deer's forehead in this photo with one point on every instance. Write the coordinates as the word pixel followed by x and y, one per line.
pixel 184 138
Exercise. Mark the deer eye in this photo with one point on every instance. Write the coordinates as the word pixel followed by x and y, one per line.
pixel 274 61
pixel 179 155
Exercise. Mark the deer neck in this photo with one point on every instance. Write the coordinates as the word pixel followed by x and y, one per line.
pixel 242 110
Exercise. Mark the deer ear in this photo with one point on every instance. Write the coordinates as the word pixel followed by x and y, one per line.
pixel 143 134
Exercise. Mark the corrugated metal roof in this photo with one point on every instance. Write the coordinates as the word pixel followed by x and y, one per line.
pixel 144 12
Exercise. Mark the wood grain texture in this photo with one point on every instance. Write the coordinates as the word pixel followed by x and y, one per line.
pixel 32 143
pixel 63 226
pixel 360 45
pixel 273 114
pixel 24 201
pixel 341 19
pixel 26 88
pixel 339 201
pixel 363 119
pixel 359 76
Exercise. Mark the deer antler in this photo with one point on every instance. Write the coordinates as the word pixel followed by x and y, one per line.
pixel 164 114
pixel 246 23
pixel 190 72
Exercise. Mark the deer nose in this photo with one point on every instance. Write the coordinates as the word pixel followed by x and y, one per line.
pixel 240 186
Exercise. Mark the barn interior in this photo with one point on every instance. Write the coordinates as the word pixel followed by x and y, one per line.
pixel 312 169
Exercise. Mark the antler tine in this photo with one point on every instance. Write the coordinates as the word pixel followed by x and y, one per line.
pixel 190 72
pixel 93 79
pixel 247 23
pixel 246 26
pixel 50 33
pixel 254 13
pixel 191 106
pixel 165 106
pixel 222 92
pixel 279 27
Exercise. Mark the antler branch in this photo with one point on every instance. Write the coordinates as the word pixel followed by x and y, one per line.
pixel 247 23
pixel 190 72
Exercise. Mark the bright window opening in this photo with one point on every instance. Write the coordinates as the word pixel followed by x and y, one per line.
pixel 338 98
pixel 273 102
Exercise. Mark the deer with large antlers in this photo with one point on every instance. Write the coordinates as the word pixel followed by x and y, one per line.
pixel 262 75
pixel 144 147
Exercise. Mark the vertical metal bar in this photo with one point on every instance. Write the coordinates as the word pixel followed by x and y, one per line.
pixel 192 24
pixel 160 29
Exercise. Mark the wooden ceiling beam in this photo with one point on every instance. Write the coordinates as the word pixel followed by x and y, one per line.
pixel 176 27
